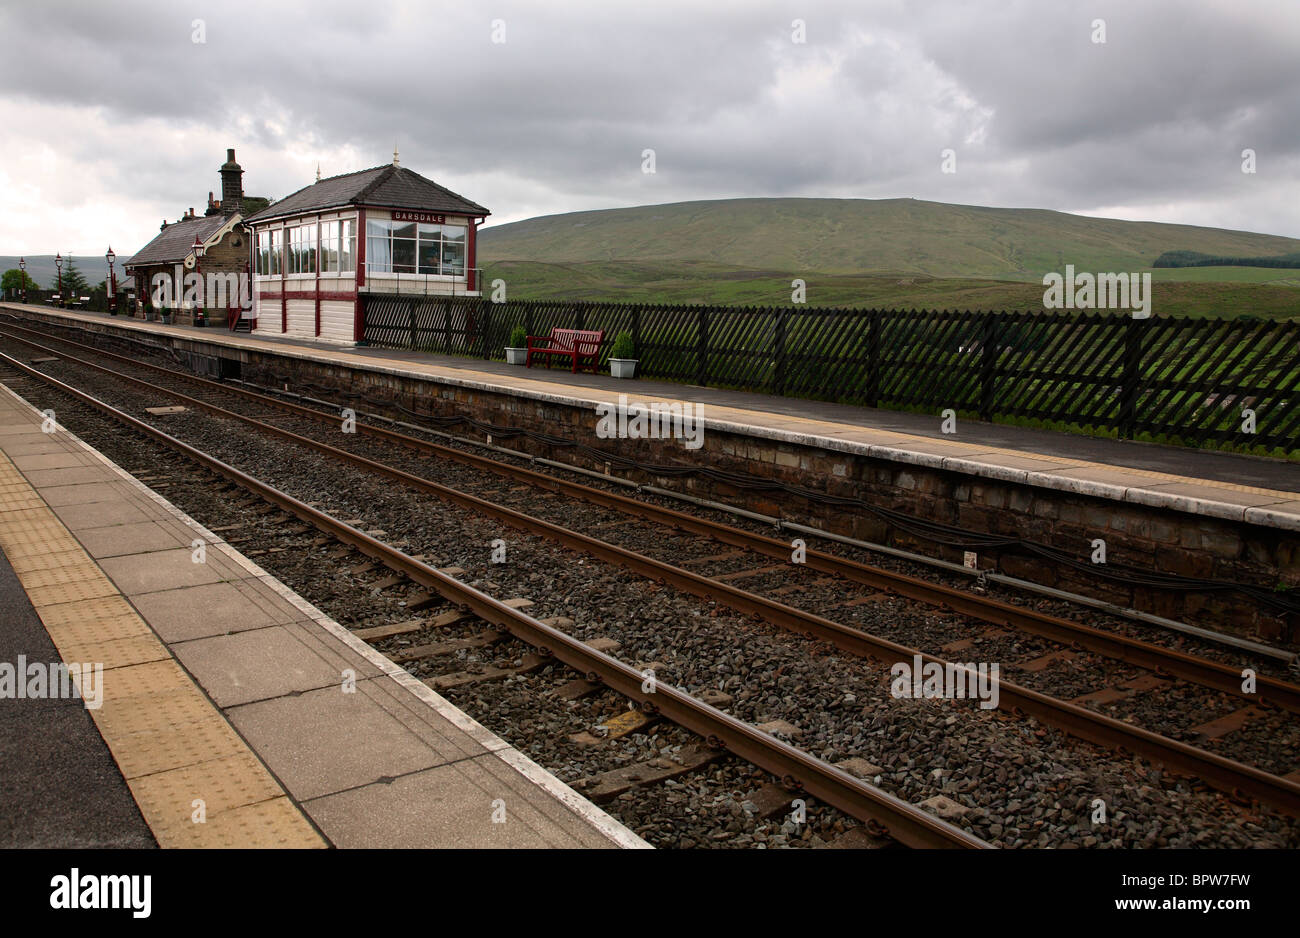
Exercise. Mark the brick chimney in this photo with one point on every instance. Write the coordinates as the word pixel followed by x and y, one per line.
pixel 232 186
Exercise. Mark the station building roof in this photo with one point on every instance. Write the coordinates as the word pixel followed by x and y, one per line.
pixel 176 241
pixel 389 186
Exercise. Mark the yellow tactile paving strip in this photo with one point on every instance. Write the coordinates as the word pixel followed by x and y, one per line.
pixel 171 743
pixel 856 434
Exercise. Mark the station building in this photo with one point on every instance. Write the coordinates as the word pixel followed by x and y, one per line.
pixel 321 252
pixel 170 257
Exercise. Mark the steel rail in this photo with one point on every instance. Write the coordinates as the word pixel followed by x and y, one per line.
pixel 1218 771
pixel 1156 658
pixel 904 822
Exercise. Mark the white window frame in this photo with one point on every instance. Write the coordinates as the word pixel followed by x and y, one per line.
pixel 300 235
pixel 444 273
pixel 328 241
pixel 274 257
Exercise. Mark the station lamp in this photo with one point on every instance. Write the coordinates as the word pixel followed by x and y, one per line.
pixel 198 249
pixel 112 282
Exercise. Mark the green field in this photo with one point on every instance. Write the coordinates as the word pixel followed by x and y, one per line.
pixel 894 253
pixel 1183 292
pixel 1285 278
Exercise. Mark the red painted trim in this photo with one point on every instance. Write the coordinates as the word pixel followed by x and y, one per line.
pixel 448 215
pixel 257 304
pixel 473 255
pixel 318 277
pixel 284 274
pixel 311 295
pixel 358 311
pixel 250 265
pixel 361 247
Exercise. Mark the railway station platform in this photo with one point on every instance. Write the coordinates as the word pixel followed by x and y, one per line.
pixel 213 706
pixel 1225 485
pixel 1035 502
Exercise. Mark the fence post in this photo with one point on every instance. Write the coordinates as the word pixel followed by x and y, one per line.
pixel 778 379
pixel 636 331
pixel 485 317
pixel 410 309
pixel 873 357
pixel 702 346
pixel 1130 379
pixel 988 363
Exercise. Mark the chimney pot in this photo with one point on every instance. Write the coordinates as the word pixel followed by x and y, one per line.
pixel 232 186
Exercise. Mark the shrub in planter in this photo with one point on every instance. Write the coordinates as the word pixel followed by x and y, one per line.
pixel 622 363
pixel 517 348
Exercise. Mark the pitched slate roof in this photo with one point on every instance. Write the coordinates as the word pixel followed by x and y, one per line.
pixel 175 241
pixel 383 186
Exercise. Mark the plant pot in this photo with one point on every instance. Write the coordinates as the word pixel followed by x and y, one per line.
pixel 516 356
pixel 622 367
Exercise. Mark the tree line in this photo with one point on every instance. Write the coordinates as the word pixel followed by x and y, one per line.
pixel 1197 259
pixel 74 282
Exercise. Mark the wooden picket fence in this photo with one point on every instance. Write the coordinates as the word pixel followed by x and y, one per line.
pixel 1194 381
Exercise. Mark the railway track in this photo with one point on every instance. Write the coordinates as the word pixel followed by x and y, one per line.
pixel 905 823
pixel 1224 773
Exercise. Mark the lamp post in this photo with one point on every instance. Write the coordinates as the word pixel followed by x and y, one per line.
pixel 22 267
pixel 58 265
pixel 112 282
pixel 198 270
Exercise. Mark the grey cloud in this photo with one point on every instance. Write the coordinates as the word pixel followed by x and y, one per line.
pixel 1039 115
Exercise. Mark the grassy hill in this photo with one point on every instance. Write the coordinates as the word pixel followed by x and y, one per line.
pixel 860 252
pixel 887 236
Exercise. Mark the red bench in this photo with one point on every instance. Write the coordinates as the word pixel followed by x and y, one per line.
pixel 580 346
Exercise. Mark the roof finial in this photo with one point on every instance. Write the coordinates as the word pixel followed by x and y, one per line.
pixel 395 163
pixel 318 171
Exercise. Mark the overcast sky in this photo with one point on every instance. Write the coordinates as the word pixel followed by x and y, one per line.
pixel 116 118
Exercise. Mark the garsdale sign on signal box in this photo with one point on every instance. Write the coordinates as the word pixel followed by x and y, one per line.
pixel 427 217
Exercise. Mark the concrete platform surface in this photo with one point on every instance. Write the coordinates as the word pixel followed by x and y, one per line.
pixel 1220 485
pixel 224 694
